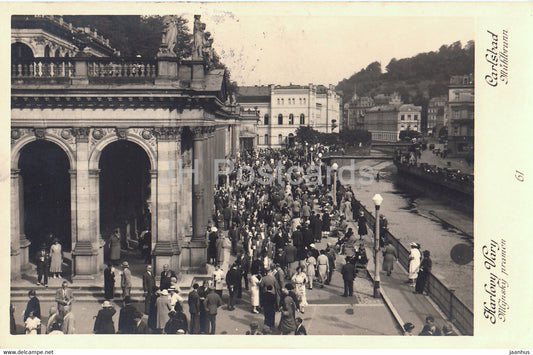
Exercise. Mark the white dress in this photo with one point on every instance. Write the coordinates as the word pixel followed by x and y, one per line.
pixel 300 280
pixel 55 256
pixel 414 263
pixel 254 291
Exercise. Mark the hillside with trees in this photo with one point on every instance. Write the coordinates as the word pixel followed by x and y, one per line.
pixel 416 79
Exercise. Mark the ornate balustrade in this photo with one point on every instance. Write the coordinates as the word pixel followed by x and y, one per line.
pixel 43 68
pixel 122 68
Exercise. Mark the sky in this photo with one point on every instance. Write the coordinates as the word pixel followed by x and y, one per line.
pixel 302 47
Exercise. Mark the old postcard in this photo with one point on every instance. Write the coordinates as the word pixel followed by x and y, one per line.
pixel 355 173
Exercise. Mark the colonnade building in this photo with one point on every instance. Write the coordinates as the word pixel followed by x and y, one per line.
pixel 100 142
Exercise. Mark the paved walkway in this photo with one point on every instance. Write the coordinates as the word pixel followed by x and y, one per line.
pixel 405 305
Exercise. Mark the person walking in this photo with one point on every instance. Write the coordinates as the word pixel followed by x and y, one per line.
pixel 125 280
pixel 212 302
pixel 54 318
pixel 423 274
pixel 254 292
pixel 56 259
pixel 177 321
pixel 414 263
pixel 322 268
pixel 43 265
pixel 33 306
pixel 300 280
pixel 103 323
pixel 64 297
pixel 233 281
pixel 148 285
pixel 311 269
pixel 152 315
pixel 287 324
pixel 389 257
pixel 194 309
pixel 332 255
pixel 114 247
pixel 361 225
pixel 204 321
pixel 348 276
pixel 109 281
pixel 163 308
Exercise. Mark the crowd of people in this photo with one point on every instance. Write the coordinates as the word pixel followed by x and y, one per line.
pixel 262 238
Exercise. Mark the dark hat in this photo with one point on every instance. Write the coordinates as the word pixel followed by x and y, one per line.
pixel 125 264
pixel 254 325
pixel 408 327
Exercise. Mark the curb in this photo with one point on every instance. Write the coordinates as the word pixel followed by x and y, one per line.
pixel 389 305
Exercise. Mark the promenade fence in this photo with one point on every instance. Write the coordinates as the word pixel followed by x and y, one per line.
pixel 456 311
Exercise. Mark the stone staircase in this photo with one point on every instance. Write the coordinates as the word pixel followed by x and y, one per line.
pixel 92 293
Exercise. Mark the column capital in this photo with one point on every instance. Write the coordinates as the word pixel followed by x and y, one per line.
pixel 72 172
pixel 168 133
pixel 81 134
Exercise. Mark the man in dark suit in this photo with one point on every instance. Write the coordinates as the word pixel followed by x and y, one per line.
pixel 291 259
pixel 126 322
pixel 148 285
pixel 298 242
pixel 64 297
pixel 194 309
pixel 140 325
pixel 166 275
pixel 233 281
pixel 212 302
pixel 348 275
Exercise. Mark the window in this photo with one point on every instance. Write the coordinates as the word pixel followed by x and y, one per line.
pixel 47 52
pixel 280 118
pixel 291 118
pixel 266 118
pixel 280 139
pixel 266 139
pixel 415 117
pixel 304 100
pixel 403 117
pixel 409 117
pixel 278 101
pixel 300 100
pixel 302 118
pixel 282 101
pixel 293 101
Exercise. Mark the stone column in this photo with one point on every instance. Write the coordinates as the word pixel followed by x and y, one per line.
pixel 195 257
pixel 17 213
pixel 209 165
pixel 166 249
pixel 94 199
pixel 85 252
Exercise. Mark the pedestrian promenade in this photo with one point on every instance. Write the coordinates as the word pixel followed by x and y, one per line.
pixel 405 305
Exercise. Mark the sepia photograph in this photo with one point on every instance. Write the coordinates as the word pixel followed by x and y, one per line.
pixel 201 170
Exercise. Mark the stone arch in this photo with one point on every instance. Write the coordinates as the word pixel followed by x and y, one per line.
pixel 17 147
pixel 19 43
pixel 96 151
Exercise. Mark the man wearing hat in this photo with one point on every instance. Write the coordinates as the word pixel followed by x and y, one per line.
pixel 104 320
pixel 140 325
pixel 212 302
pixel 125 280
pixel 166 275
pixel 126 323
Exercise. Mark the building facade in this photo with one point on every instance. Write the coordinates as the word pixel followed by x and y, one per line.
pixel 355 112
pixel 437 114
pixel 461 114
pixel 282 109
pixel 385 122
pixel 105 143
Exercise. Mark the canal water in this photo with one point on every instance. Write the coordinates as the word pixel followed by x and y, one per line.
pixel 413 217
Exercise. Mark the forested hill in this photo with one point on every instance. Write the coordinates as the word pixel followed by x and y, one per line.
pixel 417 79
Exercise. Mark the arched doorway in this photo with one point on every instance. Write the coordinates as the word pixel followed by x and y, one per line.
pixel 44 168
pixel 20 51
pixel 124 193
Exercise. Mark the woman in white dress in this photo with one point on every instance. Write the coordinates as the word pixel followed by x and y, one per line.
pixel 414 263
pixel 254 292
pixel 300 279
pixel 56 256
pixel 311 270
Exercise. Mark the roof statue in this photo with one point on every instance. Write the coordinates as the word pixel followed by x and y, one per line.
pixel 170 35
pixel 199 39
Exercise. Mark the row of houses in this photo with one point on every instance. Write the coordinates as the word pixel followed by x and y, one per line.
pixel 385 116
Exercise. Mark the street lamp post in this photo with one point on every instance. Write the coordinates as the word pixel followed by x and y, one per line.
pixel 311 150
pixel 377 202
pixel 335 166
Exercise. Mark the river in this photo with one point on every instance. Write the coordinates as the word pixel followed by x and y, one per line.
pixel 412 217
